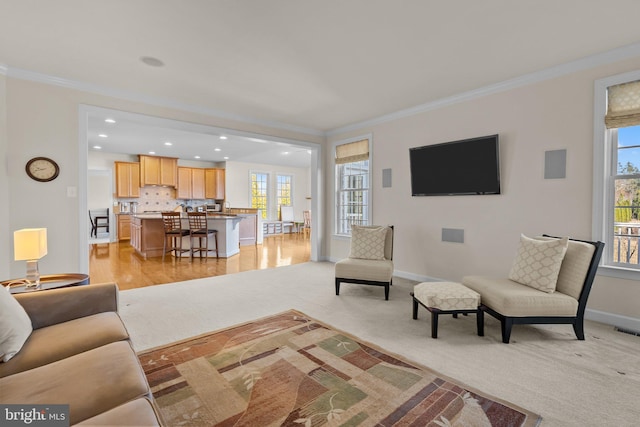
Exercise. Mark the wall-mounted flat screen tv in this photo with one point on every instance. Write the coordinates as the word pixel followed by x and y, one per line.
pixel 465 167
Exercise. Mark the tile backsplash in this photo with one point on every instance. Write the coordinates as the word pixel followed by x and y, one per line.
pixel 157 199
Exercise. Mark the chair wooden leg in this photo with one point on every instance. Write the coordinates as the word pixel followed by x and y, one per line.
pixel 337 286
pixel 215 237
pixel 578 328
pixel 480 322
pixel 386 292
pixel 415 309
pixel 506 324
pixel 434 323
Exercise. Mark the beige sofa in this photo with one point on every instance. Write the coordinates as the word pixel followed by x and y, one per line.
pixel 79 354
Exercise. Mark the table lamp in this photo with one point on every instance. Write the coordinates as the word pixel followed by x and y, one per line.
pixel 30 244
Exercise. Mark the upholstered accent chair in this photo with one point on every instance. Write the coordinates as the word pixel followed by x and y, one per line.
pixel 531 294
pixel 370 260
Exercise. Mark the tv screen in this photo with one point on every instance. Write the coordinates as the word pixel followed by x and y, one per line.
pixel 465 167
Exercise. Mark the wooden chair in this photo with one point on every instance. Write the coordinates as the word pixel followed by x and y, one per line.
pixel 286 217
pixel 199 229
pixel 173 234
pixel 363 268
pixel 99 218
pixel 306 223
pixel 515 304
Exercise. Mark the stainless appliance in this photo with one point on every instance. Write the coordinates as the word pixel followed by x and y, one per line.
pixel 125 207
pixel 213 208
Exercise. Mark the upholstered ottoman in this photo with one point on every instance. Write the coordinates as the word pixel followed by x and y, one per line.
pixel 447 298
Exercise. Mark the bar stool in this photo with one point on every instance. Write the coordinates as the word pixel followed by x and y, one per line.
pixel 173 234
pixel 199 229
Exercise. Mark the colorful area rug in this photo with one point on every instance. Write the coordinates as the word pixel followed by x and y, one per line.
pixel 291 370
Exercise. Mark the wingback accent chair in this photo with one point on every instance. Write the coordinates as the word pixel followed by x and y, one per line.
pixel 370 259
pixel 515 303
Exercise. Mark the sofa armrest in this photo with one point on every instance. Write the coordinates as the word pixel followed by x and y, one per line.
pixel 55 306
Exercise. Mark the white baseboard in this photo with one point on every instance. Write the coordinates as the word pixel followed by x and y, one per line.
pixel 624 322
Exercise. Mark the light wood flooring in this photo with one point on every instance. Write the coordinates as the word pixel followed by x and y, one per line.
pixel 118 262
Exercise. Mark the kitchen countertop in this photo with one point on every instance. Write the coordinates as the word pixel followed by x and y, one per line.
pixel 158 215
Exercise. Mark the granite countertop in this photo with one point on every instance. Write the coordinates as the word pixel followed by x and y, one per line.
pixel 158 215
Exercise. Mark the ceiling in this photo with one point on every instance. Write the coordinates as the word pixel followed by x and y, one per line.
pixel 127 133
pixel 313 66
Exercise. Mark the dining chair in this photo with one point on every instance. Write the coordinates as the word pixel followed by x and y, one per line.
pixel 198 229
pixel 99 218
pixel 306 223
pixel 173 234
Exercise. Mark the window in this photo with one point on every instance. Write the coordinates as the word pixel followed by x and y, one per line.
pixel 283 191
pixel 259 192
pixel 617 173
pixel 353 197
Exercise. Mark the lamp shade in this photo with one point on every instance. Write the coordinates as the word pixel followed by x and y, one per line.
pixel 29 243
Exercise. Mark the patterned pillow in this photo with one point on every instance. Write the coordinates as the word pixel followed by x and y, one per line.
pixel 367 242
pixel 538 263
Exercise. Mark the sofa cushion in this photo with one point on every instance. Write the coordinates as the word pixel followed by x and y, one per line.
pixel 575 267
pixel 363 269
pixel 368 242
pixel 537 263
pixel 15 326
pixel 513 299
pixel 62 340
pixel 91 383
pixel 139 412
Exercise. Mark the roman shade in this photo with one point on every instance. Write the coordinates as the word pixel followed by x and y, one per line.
pixel 352 152
pixel 623 105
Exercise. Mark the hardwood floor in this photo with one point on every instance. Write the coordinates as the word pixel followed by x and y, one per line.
pixel 118 262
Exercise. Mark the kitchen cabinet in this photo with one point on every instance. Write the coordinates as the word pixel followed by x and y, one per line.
pixel 127 179
pixel 158 171
pixel 214 183
pixel 191 183
pixel 124 226
pixel 147 236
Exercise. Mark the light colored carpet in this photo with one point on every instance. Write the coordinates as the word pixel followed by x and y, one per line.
pixel 595 382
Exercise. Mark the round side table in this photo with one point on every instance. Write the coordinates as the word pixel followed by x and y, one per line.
pixel 50 281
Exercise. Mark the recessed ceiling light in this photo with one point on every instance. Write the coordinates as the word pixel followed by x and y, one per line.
pixel 152 152
pixel 197 157
pixel 308 151
pixel 226 158
pixel 168 143
pixel 102 135
pixel 223 137
pixel 216 149
pixel 97 147
pixel 285 152
pixel 109 120
pixel 151 61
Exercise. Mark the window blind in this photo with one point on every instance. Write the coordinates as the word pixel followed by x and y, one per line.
pixel 623 107
pixel 352 152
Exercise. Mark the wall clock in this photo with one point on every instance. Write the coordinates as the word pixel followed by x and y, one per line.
pixel 42 169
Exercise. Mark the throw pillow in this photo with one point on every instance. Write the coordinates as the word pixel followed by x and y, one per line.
pixel 367 242
pixel 537 263
pixel 15 325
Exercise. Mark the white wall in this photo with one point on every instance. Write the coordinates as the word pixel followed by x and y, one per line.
pixel 237 181
pixel 6 233
pixel 553 114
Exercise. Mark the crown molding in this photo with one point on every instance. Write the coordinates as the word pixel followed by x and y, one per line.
pixel 152 100
pixel 585 63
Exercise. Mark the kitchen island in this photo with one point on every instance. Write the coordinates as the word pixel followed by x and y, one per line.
pixel 147 234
